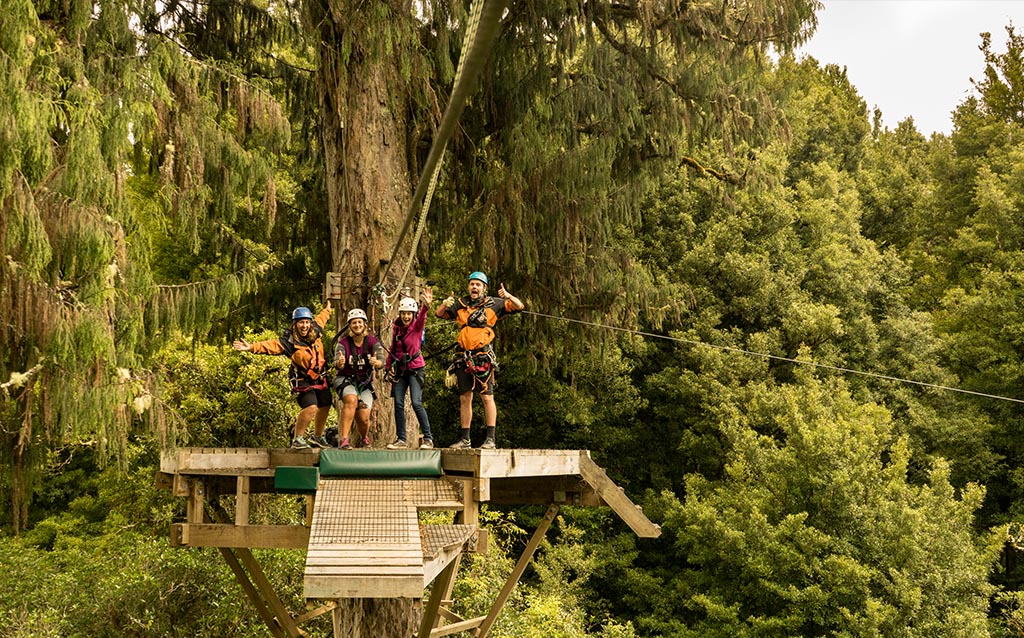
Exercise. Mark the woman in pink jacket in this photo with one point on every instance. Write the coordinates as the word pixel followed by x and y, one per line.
pixel 405 361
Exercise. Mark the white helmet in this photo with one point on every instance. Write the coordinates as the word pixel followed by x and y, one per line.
pixel 408 304
pixel 355 313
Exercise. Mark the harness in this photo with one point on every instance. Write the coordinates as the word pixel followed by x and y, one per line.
pixel 305 379
pixel 357 370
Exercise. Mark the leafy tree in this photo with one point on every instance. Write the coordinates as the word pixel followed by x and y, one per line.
pixel 813 529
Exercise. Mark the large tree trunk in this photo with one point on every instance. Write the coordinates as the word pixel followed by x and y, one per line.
pixel 363 102
pixel 377 618
pixel 363 105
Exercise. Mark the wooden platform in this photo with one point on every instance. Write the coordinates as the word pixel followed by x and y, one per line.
pixel 362 535
pixel 366 542
pixel 511 477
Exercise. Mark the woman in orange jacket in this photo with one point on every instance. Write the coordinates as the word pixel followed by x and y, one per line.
pixel 303 345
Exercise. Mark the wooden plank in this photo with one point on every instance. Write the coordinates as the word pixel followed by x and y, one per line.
pixel 198 460
pixel 226 535
pixel 365 548
pixel 362 563
pixel 613 495
pixel 460 461
pixel 382 554
pixel 363 587
pixel 510 463
pixel 369 571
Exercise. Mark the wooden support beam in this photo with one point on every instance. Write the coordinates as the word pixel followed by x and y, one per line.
pixel 470 513
pixel 250 590
pixel 517 572
pixel 267 590
pixel 456 627
pixel 616 499
pixel 430 612
pixel 242 501
pixel 319 611
pixel 227 535
pixel 195 509
pixel 316 613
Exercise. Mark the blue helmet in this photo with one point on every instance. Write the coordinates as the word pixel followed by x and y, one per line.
pixel 479 276
pixel 302 312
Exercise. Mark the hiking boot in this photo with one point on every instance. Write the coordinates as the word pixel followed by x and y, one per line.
pixel 461 444
pixel 344 444
pixel 488 444
pixel 299 443
pixel 318 441
pixel 427 444
pixel 367 442
pixel 397 445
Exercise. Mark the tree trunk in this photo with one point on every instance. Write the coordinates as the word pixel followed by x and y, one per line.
pixel 368 184
pixel 377 618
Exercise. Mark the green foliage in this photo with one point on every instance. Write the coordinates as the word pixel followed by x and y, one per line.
pixel 127 583
pixel 224 398
pixel 814 530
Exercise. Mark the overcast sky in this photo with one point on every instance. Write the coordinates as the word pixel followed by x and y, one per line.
pixel 912 57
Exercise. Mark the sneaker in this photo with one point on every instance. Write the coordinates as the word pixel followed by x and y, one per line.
pixel 488 444
pixel 461 444
pixel 299 443
pixel 397 445
pixel 345 445
pixel 318 441
pixel 427 445
pixel 367 442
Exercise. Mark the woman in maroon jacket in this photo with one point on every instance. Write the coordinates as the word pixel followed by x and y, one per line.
pixel 405 361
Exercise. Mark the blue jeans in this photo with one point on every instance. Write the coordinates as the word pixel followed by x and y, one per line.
pixel 413 381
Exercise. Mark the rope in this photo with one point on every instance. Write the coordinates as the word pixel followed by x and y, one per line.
pixel 484 21
pixel 823 366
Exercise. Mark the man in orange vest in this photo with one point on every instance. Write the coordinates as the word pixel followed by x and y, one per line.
pixel 474 366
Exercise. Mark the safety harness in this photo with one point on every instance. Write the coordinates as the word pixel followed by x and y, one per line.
pixel 312 377
pixel 476 352
pixel 357 370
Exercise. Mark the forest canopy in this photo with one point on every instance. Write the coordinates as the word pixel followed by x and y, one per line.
pixel 713 237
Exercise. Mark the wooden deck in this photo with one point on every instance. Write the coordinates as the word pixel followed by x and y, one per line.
pixel 362 536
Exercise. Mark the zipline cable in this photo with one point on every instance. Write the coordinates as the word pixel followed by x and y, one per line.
pixel 773 357
pixel 471 63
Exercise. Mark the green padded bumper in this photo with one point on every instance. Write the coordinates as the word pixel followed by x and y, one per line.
pixel 381 463
pixel 296 480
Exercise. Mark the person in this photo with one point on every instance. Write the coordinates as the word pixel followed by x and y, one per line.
pixel 474 365
pixel 405 361
pixel 356 356
pixel 303 345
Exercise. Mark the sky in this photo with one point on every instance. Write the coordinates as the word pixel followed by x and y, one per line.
pixel 912 57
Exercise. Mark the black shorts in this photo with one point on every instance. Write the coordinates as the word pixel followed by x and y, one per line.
pixel 319 398
pixel 469 382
